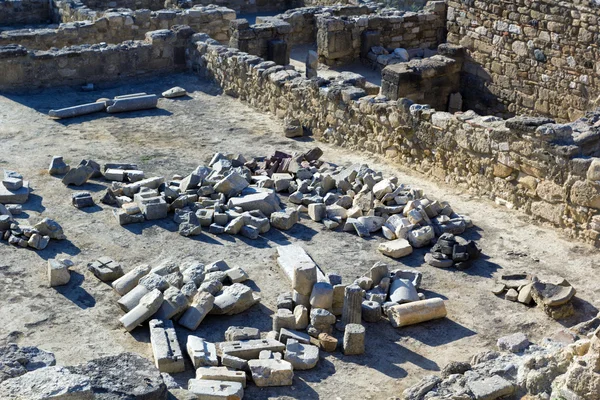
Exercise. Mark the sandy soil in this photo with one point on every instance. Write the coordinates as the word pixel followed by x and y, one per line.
pixel 79 322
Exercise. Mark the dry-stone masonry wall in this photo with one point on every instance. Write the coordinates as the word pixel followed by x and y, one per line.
pixel 267 39
pixel 161 51
pixel 23 12
pixel 303 21
pixel 544 169
pixel 340 39
pixel 116 27
pixel 528 56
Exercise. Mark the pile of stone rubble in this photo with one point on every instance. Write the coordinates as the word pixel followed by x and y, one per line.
pixel 564 366
pixel 317 299
pixel 551 294
pixel 235 195
pixel 451 250
pixel 35 237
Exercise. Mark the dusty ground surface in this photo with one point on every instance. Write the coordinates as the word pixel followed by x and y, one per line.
pixel 79 322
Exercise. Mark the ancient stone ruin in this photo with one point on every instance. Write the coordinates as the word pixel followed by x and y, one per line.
pixel 299 199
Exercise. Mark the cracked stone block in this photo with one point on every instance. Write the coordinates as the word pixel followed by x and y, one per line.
pixel 234 333
pixel 491 388
pixel 199 308
pixel 221 374
pixel 250 349
pixel 127 282
pixel 82 200
pixel 354 339
pixel 148 305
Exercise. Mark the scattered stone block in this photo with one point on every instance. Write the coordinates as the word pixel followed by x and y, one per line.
pixel 58 273
pixel 201 352
pixel 117 175
pixel 237 275
pixel 284 300
pixel 266 202
pixel 283 318
pixel 12 184
pixel 525 294
pixel 106 269
pixel 165 347
pixel 199 308
pixel 491 388
pixel 78 176
pixel 234 362
pixel 284 220
pixel 511 295
pixel 395 248
pixel 18 196
pixel 82 200
pixel 300 317
pixel 221 374
pixel 271 372
pixel 124 218
pixel 250 349
pixel 514 343
pixel 301 356
pixel 371 311
pixel 148 305
pixel 234 299
pixel 403 291
pixel 215 390
pixel 174 303
pixel 142 102
pixel 58 166
pixel 174 92
pixel 327 342
pixel 354 339
pixel 322 295
pixel 234 333
pixel 285 334
pixel 51 228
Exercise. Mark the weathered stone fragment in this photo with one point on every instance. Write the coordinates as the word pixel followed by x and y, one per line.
pixel 165 347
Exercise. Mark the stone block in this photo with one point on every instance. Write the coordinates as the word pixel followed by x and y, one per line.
pixel 301 356
pixel 148 305
pixel 201 352
pixel 127 282
pixel 58 166
pixel 199 308
pixel 215 389
pixel 221 374
pixel 491 388
pixel 300 317
pixel 283 318
pixel 18 196
pixel 514 343
pixel 285 334
pixel 175 302
pixel 354 339
pixel 416 312
pixel 235 333
pixel 327 342
pixel 403 291
pixel 82 200
pixel 266 202
pixel 106 269
pixel 322 295
pixel 234 299
pixel 250 349
pixel 58 273
pixel 165 347
pixel 395 248
pixel 271 372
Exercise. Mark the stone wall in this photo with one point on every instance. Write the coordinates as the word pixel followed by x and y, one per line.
pixel 243 6
pixel 545 169
pixel 101 5
pixel 303 21
pixel 267 40
pixel 428 81
pixel 117 27
pixel 535 57
pixel 161 51
pixel 23 12
pixel 339 39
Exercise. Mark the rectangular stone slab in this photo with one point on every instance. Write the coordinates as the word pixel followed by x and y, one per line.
pixel 19 196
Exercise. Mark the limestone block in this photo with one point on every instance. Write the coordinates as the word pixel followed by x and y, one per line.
pixel 106 269
pixel 165 347
pixel 147 306
pixel 215 389
pixel 234 333
pixel 395 248
pixel 322 295
pixel 234 299
pixel 300 317
pixel 286 334
pixel 250 349
pixel 221 374
pixel 271 372
pixel 58 273
pixel 199 308
pixel 403 291
pixel 58 166
pixel 174 303
pixel 301 356
pixel 201 352
pixel 491 388
pixel 354 339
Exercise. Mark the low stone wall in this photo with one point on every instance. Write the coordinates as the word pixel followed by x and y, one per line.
pixel 528 57
pixel 546 170
pixel 243 6
pixel 267 40
pixel 117 27
pixel 303 21
pixel 101 5
pixel 425 81
pixel 23 12
pixel 161 51
pixel 340 39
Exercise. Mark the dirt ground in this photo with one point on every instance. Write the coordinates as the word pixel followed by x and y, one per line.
pixel 79 322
